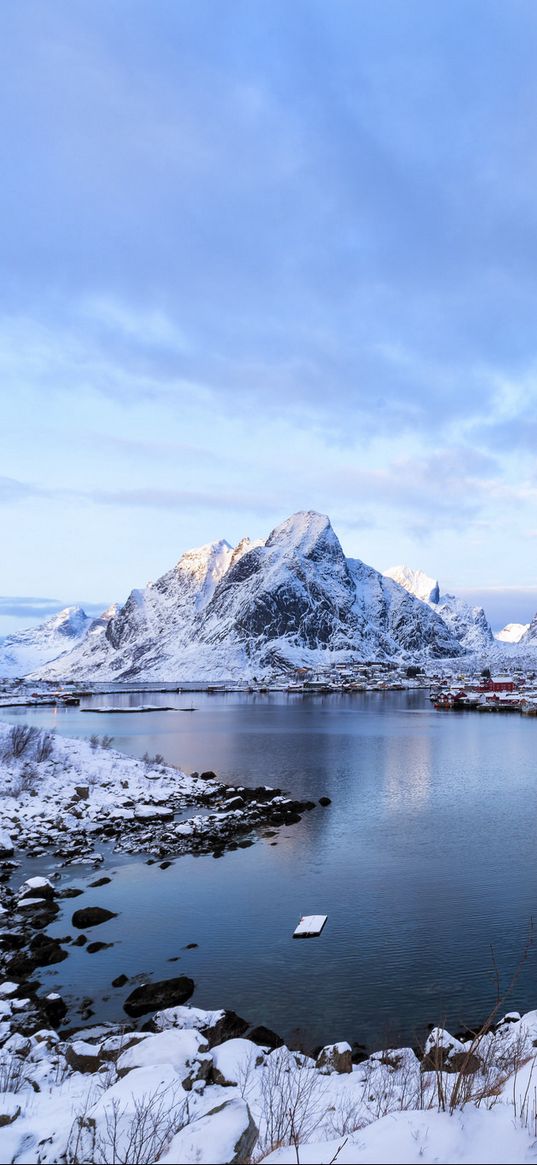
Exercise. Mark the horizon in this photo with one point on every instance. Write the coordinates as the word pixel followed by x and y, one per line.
pixel 263 259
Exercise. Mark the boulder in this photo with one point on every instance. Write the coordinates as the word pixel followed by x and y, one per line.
pixel 227 1133
pixel 91 916
pixel 154 996
pixel 37 888
pixel 265 1037
pixel 335 1058
pixel 83 1057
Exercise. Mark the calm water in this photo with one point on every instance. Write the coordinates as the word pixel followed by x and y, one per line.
pixel 425 862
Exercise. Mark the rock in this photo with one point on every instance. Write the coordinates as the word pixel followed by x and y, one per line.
pixel 163 993
pixel 265 1037
pixel 335 1058
pixel 228 1126
pixel 208 775
pixel 55 1008
pixel 37 888
pixel 91 916
pixel 325 801
pixel 463 1063
pixel 228 1027
pixel 9 1110
pixel 82 792
pixel 100 882
pixel 80 941
pixel 83 1057
pixel 6 845
pixel 46 950
pixel 120 981
pixel 92 948
pixel 70 892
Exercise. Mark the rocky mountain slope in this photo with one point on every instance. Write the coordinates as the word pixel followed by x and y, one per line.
pixel 468 625
pixel 262 608
pixel 28 650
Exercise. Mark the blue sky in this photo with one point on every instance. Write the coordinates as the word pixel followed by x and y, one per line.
pixel 265 257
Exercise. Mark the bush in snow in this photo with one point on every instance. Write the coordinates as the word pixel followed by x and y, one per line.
pixel 127 1132
pixel 18 741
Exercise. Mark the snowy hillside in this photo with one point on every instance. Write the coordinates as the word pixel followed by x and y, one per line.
pixel 468 625
pixel 512 632
pixel 261 608
pixel 28 650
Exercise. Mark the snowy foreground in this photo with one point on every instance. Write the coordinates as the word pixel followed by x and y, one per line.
pixel 183 1092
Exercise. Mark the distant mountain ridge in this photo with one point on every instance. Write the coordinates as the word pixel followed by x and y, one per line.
pixel 468 624
pixel 266 607
pixel 25 651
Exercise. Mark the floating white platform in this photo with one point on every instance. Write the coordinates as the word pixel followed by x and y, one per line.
pixel 310 925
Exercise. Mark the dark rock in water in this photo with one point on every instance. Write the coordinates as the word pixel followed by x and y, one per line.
pixel 80 941
pixel 70 892
pixel 265 1037
pixel 191 946
pixel 45 891
pixel 208 775
pixel 46 950
pixel 92 948
pixel 245 844
pixel 154 996
pixel 120 981
pixel 164 865
pixel 91 916
pixel 325 801
pixel 100 882
pixel 55 1009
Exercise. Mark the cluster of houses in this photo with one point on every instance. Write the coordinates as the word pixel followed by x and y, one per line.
pixel 488 693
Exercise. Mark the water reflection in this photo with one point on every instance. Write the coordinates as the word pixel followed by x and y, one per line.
pixel 424 861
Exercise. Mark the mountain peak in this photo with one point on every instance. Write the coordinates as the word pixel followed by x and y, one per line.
pixel 416 582
pixel 302 533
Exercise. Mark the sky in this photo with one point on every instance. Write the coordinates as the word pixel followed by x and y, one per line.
pixel 257 258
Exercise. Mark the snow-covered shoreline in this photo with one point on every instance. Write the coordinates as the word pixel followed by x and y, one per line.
pixel 81 793
pixel 190 1087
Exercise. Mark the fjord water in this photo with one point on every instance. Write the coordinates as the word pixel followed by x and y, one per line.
pixel 425 863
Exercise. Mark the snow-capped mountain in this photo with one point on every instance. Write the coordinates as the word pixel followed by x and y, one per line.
pixel 259 608
pixel 469 625
pixel 416 582
pixel 28 650
pixel 529 638
pixel 512 632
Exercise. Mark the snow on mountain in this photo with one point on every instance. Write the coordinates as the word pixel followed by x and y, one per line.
pixel 25 651
pixel 529 638
pixel 469 625
pixel 260 608
pixel 512 632
pixel 416 582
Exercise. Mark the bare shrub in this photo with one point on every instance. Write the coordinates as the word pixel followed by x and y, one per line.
pixel 94 741
pixel 290 1100
pixel 19 739
pixel 28 777
pixel 135 1134
pixel 44 746
pixel 107 741
pixel 12 1074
